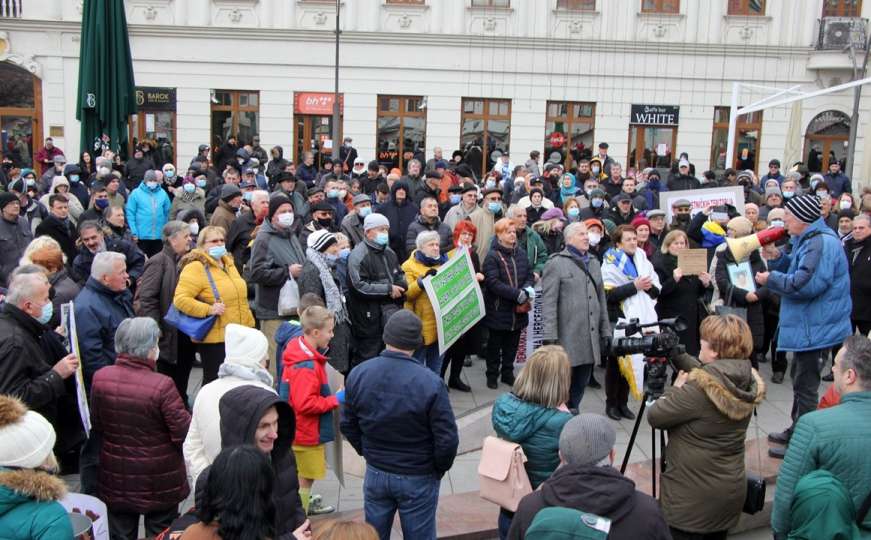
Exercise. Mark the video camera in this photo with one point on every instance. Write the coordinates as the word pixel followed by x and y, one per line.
pixel 656 348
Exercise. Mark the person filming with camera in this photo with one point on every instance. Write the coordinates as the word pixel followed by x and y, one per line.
pixel 706 413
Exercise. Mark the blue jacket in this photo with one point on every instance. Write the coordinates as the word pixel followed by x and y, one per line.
pixel 397 415
pixel 836 440
pixel 536 428
pixel 813 282
pixel 147 212
pixel 287 330
pixel 99 311
pixel 838 184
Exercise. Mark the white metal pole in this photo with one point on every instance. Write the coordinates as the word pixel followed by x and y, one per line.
pixel 733 124
pixel 815 93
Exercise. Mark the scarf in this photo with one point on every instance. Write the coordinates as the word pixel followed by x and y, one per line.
pixel 244 372
pixel 567 193
pixel 334 297
pixel 583 257
pixel 429 261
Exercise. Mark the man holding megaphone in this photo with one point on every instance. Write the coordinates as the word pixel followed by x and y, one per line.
pixel 813 282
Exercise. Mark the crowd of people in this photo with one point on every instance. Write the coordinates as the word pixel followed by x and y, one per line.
pixel 304 271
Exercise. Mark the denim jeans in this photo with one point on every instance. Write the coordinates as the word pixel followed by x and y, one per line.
pixel 806 367
pixel 416 498
pixel 430 357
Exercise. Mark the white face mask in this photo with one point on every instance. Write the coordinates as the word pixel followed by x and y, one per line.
pixel 285 220
pixel 195 228
pixel 594 238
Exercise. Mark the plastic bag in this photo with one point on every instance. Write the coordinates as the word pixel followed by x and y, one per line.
pixel 288 298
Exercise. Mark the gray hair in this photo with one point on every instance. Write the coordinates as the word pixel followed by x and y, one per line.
pixel 104 263
pixel 415 160
pixel 863 217
pixel 24 284
pixel 616 164
pixel 259 194
pixel 573 229
pixel 857 356
pixel 103 162
pixel 137 336
pixel 172 228
pixel 514 210
pixel 424 237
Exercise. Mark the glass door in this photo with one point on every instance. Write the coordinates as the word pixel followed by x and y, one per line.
pixel 652 144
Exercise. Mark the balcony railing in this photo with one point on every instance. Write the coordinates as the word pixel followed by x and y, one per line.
pixel 10 9
pixel 839 33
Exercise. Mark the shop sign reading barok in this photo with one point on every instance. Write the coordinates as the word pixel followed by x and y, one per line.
pixel 655 115
pixel 151 98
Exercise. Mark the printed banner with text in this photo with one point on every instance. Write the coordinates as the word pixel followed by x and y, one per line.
pixel 456 298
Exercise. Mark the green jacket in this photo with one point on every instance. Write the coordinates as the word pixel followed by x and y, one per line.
pixel 28 506
pixel 836 440
pixel 536 251
pixel 535 428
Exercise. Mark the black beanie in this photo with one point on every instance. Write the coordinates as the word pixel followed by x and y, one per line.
pixel 403 331
pixel 7 198
pixel 276 201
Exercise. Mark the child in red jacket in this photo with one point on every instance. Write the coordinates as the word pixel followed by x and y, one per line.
pixel 311 400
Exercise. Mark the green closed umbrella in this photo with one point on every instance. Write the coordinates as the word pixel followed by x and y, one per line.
pixel 106 97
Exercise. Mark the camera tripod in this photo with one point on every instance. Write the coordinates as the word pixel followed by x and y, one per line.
pixel 648 396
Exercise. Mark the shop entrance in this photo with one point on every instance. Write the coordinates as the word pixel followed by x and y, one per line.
pixel 652 136
pixel 313 116
pixel 154 123
pixel 826 140
pixel 20 114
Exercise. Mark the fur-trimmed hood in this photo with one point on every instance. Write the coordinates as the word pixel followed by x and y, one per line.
pixel 31 484
pixel 733 386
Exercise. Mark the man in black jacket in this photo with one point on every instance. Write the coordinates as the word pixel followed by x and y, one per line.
pixel 59 227
pixel 683 180
pixel 94 241
pixel 859 257
pixel 400 213
pixel 585 481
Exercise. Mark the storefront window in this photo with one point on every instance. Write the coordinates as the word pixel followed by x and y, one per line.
pixel 826 140
pixel 652 135
pixel 401 129
pixel 747 140
pixel 569 131
pixel 234 112
pixel 746 7
pixel 486 125
pixel 20 110
pixel 313 112
pixel 154 123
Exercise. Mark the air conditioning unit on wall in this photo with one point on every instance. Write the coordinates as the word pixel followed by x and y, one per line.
pixel 837 33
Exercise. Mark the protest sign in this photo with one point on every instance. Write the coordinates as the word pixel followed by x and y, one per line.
pixel 81 397
pixel 532 335
pixel 456 298
pixel 702 198
pixel 693 262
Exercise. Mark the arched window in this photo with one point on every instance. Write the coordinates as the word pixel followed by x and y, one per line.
pixel 826 140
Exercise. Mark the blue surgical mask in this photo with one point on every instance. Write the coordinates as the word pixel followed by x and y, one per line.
pixel 101 204
pixel 344 252
pixel 788 194
pixel 201 183
pixel 247 195
pixel 169 173
pixel 189 188
pixel 490 184
pixel 216 252
pixel 151 185
pixel 31 182
pixel 455 199
pixel 382 238
pixel 777 223
pixel 494 206
pixel 47 312
pixel 330 258
pixel 333 194
pixel 574 212
pixel 364 211
pixel 74 178
pixel 597 203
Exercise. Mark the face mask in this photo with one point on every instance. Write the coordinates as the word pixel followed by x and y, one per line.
pixel 595 170
pixel 574 212
pixel 682 217
pixel 101 203
pixel 201 183
pixel 595 238
pixel 494 207
pixel 189 188
pixel 103 171
pixel 169 173
pixel 74 178
pixel 788 194
pixel 248 195
pixel 382 238
pixel 285 220
pixel 364 211
pixel 47 312
pixel 195 228
pixel 822 194
pixel 490 184
pixel 597 203
pixel 325 223
pixel 240 161
pixel 31 182
pixel 344 252
pixel 151 185
pixel 845 205
pixel 331 259
pixel 777 223
pixel 333 193
pixel 216 252
pixel 343 193
pixel 455 199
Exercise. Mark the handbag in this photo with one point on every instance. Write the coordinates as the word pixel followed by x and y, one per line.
pixel 195 327
pixel 288 298
pixel 755 500
pixel 729 309
pixel 501 474
pixel 525 307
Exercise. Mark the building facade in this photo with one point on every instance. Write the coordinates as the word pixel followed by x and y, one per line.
pixel 653 78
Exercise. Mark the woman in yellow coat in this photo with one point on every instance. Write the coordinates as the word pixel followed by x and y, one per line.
pixel 424 261
pixel 194 295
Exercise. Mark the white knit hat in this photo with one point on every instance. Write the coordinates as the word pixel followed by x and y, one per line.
pixel 244 346
pixel 26 437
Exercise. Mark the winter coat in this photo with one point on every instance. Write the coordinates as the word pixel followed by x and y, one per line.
pixel 550 235
pixel 29 507
pixel 535 428
pixel 416 299
pixel 838 184
pixel 203 441
pixel 535 248
pixel 352 227
pixel 446 236
pixel 99 311
pixel 14 238
pixel 143 423
pixel 813 282
pixel 506 273
pixel 34 212
pixel 75 204
pixel 64 290
pixel 223 216
pixel 707 421
pixel 241 410
pixel 372 271
pixel 836 440
pixel 755 311
pixel 859 259
pixel 457 213
pixel 185 201
pixel 602 491
pixel 569 293
pixel 63 231
pixel 682 182
pixel 155 290
pixel 392 432
pixel 134 258
pixel 310 395
pixel 307 173
pixel 194 295
pixel 239 241
pixel 485 222
pixel 680 299
pixel 147 212
pixel 134 170
pixel 272 252
pixel 400 216
pixel 310 282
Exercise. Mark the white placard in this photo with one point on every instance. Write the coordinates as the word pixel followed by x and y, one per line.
pixel 702 198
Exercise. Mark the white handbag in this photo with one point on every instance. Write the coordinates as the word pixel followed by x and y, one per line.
pixel 501 473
